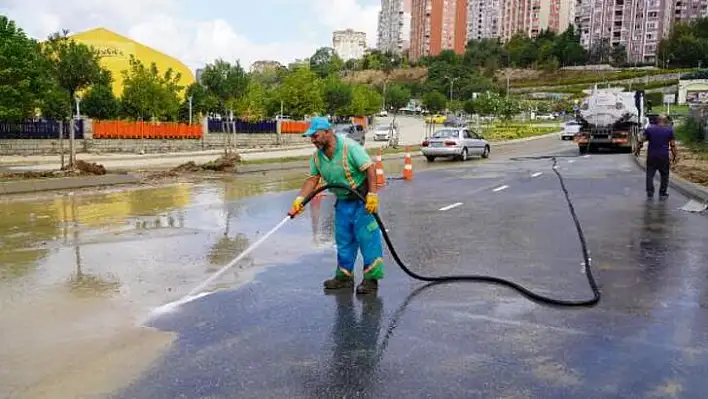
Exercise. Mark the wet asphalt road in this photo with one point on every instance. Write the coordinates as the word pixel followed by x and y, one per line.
pixel 280 336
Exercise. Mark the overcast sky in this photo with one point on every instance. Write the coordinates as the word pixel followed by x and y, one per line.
pixel 197 32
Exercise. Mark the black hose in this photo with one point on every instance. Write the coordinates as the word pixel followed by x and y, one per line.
pixel 490 279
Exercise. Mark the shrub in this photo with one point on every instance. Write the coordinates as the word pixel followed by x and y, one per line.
pixel 691 131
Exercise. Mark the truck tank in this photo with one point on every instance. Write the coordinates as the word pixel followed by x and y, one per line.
pixel 609 118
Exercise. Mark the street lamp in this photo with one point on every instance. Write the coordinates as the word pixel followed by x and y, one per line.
pixel 72 146
pixel 452 83
pixel 190 110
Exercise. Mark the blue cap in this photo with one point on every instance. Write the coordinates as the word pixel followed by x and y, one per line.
pixel 316 124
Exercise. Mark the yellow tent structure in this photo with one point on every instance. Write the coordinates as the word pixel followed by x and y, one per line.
pixel 115 51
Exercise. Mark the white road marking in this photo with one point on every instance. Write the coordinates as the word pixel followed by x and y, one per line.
pixel 571 160
pixel 537 174
pixel 447 208
pixel 500 188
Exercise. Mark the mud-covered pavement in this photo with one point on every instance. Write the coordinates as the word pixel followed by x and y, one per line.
pixel 80 273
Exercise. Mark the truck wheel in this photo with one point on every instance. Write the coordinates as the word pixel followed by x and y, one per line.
pixel 429 158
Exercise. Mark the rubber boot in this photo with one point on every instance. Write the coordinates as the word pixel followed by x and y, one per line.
pixel 367 286
pixel 339 281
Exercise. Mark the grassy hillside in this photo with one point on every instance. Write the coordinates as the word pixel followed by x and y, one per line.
pixel 376 77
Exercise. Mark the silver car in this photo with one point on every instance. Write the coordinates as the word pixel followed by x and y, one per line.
pixel 384 132
pixel 459 143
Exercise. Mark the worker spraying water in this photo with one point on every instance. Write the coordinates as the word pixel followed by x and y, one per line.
pixel 340 160
pixel 350 174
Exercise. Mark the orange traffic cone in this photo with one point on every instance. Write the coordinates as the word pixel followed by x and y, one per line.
pixel 408 166
pixel 380 178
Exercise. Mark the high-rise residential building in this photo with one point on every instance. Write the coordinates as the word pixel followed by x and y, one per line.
pixel 349 44
pixel 394 29
pixel 437 25
pixel 530 17
pixel 688 10
pixel 483 19
pixel 639 25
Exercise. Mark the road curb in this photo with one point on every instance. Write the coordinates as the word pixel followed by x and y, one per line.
pixel 65 183
pixel 678 183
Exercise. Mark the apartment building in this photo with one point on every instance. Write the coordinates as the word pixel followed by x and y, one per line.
pixel 349 44
pixel 639 25
pixel 394 28
pixel 483 19
pixel 437 25
pixel 530 17
pixel 688 10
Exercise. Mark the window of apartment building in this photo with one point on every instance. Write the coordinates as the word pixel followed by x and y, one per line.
pixel 619 2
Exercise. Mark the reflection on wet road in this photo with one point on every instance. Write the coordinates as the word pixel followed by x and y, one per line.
pixel 80 271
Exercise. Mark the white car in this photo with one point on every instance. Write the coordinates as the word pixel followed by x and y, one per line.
pixel 384 132
pixel 383 112
pixel 570 129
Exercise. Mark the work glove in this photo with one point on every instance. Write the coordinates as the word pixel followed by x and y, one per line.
pixel 372 202
pixel 297 207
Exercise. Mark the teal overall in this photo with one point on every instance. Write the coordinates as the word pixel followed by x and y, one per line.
pixel 355 228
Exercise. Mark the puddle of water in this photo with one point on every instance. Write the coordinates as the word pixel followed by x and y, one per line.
pixel 78 272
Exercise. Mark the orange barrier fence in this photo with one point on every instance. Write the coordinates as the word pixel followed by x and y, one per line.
pixel 360 120
pixel 293 127
pixel 145 130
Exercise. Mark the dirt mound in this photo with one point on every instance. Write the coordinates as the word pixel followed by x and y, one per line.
pixel 692 166
pixel 225 163
pixel 376 77
pixel 91 168
pixel 187 167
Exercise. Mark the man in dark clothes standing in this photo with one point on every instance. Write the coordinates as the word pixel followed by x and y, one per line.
pixel 661 139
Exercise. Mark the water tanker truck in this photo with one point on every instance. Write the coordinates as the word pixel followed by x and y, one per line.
pixel 610 118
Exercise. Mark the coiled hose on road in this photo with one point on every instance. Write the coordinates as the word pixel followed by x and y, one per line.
pixel 491 279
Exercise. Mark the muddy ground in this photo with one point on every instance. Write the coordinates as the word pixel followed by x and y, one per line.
pixel 693 165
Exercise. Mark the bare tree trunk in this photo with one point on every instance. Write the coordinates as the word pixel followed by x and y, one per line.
pixel 61 142
pixel 72 148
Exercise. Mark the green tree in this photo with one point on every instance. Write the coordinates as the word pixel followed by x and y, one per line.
pixel 149 94
pixel 600 52
pixel 567 48
pixel 434 101
pixel 365 101
pixel 75 66
pixel 522 51
pixel 325 62
pixel 203 102
pixel 301 93
pixel 23 79
pixel 225 82
pixel 686 45
pixel 486 54
pixel 337 96
pixel 397 96
pixel 252 106
pixel 618 55
pixel 100 103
